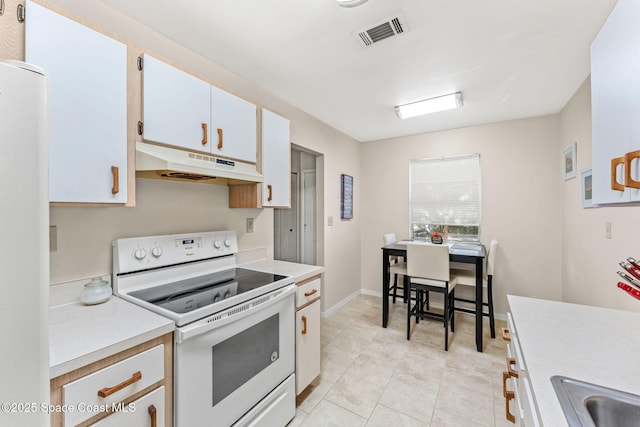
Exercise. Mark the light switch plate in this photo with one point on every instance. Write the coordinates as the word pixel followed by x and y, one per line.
pixel 250 228
pixel 607 232
pixel 330 221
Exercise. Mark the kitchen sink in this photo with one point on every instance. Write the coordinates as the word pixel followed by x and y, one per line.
pixel 585 404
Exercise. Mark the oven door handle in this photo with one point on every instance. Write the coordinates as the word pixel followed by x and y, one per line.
pixel 233 314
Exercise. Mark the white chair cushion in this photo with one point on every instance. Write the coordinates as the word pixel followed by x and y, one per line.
pixel 467 277
pixel 440 284
pixel 399 268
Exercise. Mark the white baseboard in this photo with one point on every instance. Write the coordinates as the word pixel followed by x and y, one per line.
pixel 337 306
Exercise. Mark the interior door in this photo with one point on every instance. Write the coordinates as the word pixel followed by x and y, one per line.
pixel 309 217
pixel 286 227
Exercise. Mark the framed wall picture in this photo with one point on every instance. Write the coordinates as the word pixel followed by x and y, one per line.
pixel 346 197
pixel 569 162
pixel 586 184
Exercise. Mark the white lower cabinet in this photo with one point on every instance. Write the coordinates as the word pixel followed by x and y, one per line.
pixel 145 411
pixel 520 402
pixel 130 388
pixel 307 332
pixel 307 345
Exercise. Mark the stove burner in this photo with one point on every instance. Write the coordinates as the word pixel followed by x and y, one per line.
pixel 183 302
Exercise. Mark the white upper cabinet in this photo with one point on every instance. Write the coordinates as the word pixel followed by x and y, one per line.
pixel 88 99
pixel 233 126
pixel 615 81
pixel 176 106
pixel 276 160
pixel 182 110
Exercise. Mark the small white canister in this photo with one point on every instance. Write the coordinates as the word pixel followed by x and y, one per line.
pixel 96 291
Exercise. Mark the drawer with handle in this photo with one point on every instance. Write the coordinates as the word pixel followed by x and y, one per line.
pixel 308 291
pixel 145 411
pixel 96 392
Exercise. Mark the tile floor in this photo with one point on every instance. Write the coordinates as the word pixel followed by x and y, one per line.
pixel 373 376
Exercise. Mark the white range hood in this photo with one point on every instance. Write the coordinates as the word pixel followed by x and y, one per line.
pixel 160 162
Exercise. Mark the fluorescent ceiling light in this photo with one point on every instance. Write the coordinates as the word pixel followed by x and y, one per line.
pixel 431 105
pixel 350 3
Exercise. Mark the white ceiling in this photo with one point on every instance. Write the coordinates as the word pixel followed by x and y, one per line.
pixel 509 58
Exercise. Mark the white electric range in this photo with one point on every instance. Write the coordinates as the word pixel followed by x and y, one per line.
pixel 234 352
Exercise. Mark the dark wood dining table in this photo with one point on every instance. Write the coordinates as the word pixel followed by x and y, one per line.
pixel 458 252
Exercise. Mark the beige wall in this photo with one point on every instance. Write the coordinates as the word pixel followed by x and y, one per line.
pixel 589 260
pixel 521 199
pixel 85 233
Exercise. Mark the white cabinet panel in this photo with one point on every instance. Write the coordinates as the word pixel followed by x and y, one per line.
pixel 176 106
pixel 141 412
pixel 137 372
pixel 308 292
pixel 307 345
pixel 276 160
pixel 233 126
pixel 88 98
pixel 615 80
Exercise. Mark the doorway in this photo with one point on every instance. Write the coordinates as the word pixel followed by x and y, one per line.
pixel 296 229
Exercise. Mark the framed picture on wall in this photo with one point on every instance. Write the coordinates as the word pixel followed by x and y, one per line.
pixel 569 162
pixel 586 185
pixel 346 197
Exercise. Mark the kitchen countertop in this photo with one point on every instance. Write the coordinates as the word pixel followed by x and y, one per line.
pixel 82 334
pixel 299 272
pixel 591 344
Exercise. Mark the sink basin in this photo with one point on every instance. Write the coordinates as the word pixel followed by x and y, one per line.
pixel 592 405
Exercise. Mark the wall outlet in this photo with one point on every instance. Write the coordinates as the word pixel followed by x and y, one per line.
pixel 250 228
pixel 607 232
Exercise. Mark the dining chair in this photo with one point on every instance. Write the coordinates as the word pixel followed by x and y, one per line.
pixel 468 278
pixel 428 271
pixel 397 267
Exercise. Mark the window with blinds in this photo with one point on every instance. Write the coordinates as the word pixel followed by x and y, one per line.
pixel 445 197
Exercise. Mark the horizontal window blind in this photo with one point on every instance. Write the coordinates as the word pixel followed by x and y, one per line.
pixel 446 191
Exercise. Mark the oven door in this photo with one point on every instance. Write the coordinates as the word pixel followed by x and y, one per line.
pixel 227 363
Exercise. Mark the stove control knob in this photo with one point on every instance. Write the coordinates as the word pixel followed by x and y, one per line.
pixel 216 244
pixel 139 254
pixel 216 298
pixel 227 243
pixel 156 252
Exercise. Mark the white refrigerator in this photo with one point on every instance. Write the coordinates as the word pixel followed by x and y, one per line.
pixel 24 244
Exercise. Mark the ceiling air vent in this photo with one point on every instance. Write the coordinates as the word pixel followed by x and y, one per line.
pixel 391 27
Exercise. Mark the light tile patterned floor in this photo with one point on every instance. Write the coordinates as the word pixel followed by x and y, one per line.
pixel 373 376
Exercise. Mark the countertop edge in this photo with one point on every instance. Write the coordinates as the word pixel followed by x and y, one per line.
pixel 104 352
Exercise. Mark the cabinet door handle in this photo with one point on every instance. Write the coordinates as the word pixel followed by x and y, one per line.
pixel 628 181
pixel 115 189
pixel 308 294
pixel 505 377
pixel 205 134
pixel 615 185
pixel 220 139
pixel 512 372
pixel 511 362
pixel 152 414
pixel 270 190
pixel 304 325
pixel 510 396
pixel 505 334
pixel 108 391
